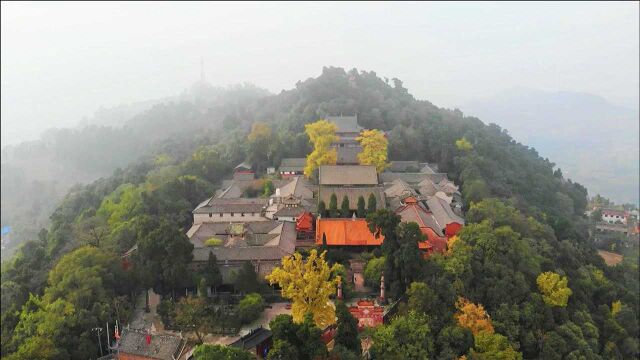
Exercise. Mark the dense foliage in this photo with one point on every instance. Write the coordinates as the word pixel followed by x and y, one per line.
pixel 523 219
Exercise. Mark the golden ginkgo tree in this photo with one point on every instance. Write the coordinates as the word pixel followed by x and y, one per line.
pixel 374 149
pixel 473 317
pixel 309 284
pixel 554 288
pixel 322 134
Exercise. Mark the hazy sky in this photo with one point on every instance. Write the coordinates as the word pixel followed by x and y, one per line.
pixel 61 61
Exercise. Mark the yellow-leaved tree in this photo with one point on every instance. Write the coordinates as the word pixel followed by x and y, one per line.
pixel 322 134
pixel 374 149
pixel 309 285
pixel 616 306
pixel 473 317
pixel 451 242
pixel 554 289
pixel 463 144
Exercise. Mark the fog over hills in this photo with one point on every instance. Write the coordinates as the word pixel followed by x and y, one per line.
pixel 592 140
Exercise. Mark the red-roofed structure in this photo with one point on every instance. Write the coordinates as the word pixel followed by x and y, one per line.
pixel 304 223
pixel 346 232
pixel 411 211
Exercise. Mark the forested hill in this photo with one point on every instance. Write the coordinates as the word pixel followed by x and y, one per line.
pixel 524 218
pixel 37 174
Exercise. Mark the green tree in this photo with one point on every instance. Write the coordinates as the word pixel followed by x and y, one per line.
pixel 371 204
pixel 268 189
pixel 347 330
pixel 333 206
pixel 406 337
pixel 453 341
pixel 259 143
pixel 246 280
pixel 296 341
pixel 490 346
pixel 322 209
pixel 250 307
pixel 340 352
pixel 166 252
pixel 211 272
pixel 360 212
pixel 345 211
pixel 282 350
pixel 373 271
pixel 219 352
pixel 191 315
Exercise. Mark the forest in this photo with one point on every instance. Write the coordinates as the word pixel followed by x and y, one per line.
pixel 522 280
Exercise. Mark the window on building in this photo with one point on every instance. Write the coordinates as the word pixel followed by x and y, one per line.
pixel 210 214
pixel 241 214
pixel 231 214
pixel 220 214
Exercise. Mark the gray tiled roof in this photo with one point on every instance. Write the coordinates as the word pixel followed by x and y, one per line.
pixel 298 186
pixel 442 212
pixel 345 123
pixel 347 155
pixel 224 205
pixel 290 211
pixel 398 187
pixel 420 215
pixel 410 178
pixel 293 164
pixel 265 240
pixel 348 175
pixel 252 339
pixel 403 166
pixel 162 347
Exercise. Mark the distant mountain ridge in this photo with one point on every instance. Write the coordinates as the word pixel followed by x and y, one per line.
pixel 590 139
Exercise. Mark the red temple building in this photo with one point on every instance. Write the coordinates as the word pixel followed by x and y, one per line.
pixel 368 314
pixel 346 232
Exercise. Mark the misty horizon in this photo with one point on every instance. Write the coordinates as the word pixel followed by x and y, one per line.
pixel 56 73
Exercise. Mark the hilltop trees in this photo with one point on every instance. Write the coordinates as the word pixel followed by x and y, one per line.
pixel 374 149
pixel 309 285
pixel 525 219
pixel 322 134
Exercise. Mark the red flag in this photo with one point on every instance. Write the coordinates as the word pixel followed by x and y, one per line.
pixel 148 339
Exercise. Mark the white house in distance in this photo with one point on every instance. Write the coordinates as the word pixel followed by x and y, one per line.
pixel 614 216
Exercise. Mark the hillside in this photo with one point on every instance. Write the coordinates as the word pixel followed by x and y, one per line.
pixel 592 140
pixel 524 219
pixel 37 174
